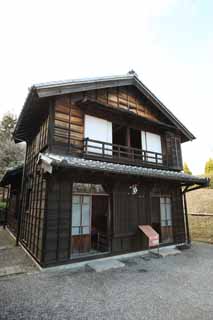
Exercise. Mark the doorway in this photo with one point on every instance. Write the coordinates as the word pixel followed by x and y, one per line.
pixel 161 218
pixel 89 232
pixel 166 220
pixel 81 223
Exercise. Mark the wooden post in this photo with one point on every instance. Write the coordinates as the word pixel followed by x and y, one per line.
pixel 128 141
pixel 186 219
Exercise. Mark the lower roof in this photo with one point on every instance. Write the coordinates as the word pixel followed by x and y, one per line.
pixel 11 175
pixel 101 166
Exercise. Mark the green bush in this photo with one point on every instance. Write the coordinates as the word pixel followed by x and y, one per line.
pixel 2 205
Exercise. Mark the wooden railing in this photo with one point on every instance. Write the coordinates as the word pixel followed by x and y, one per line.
pixel 123 154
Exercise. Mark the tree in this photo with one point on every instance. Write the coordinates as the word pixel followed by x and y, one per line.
pixel 209 171
pixel 209 167
pixel 11 154
pixel 7 125
pixel 186 168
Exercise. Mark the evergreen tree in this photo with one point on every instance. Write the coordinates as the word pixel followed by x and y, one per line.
pixel 186 168
pixel 11 154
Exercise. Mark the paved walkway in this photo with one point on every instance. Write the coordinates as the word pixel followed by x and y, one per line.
pixel 13 260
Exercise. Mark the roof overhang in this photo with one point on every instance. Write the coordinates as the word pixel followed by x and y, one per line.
pixel 12 175
pixel 50 160
pixel 50 89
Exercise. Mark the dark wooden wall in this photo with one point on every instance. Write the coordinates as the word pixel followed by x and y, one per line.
pixel 13 206
pixel 128 211
pixel 68 118
pixel 57 221
pixel 34 195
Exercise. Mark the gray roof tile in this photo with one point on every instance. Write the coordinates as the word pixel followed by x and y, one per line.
pixel 74 162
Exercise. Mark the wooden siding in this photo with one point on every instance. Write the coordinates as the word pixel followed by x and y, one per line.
pixel 34 195
pixel 68 124
pixel 12 209
pixel 57 222
pixel 126 98
pixel 128 211
pixel 68 118
pixel 173 151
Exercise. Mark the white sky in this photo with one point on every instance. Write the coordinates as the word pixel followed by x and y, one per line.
pixel 169 43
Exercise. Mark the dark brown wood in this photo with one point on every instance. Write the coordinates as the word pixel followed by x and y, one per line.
pixel 46 224
pixel 121 154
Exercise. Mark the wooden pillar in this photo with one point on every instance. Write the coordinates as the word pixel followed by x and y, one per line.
pixel 128 141
pixel 186 219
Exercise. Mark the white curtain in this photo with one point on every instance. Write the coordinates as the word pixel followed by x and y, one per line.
pixel 98 129
pixel 151 142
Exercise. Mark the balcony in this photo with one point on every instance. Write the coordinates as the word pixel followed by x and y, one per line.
pixel 99 150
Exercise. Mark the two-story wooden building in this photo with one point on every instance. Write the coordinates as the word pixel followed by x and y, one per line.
pixel 103 156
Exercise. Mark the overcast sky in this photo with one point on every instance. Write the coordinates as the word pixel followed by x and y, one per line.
pixel 169 43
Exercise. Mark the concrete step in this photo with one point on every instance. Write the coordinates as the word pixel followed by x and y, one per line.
pixel 104 265
pixel 7 271
pixel 165 252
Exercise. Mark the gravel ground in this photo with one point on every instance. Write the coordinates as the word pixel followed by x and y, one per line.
pixel 177 287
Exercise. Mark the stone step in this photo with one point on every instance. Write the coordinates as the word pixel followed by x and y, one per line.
pixel 165 252
pixel 104 265
pixel 7 271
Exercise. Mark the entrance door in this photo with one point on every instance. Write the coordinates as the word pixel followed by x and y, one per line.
pixel 81 223
pixel 166 220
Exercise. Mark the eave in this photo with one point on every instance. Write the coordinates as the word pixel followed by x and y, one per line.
pixel 51 89
pixel 54 160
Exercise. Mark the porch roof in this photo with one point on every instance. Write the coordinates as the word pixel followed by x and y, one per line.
pixel 11 174
pixel 50 159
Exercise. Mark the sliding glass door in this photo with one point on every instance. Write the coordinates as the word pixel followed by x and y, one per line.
pixel 81 223
pixel 166 220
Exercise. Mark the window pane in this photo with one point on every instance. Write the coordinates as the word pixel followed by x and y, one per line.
pixel 75 231
pixel 85 230
pixel 88 188
pixel 97 129
pixel 86 214
pixel 143 140
pixel 76 214
pixel 86 199
pixel 163 214
pixel 153 142
pixel 169 213
pixel 76 199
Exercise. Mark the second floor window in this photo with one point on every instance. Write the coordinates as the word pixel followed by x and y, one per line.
pixel 151 142
pixel 99 130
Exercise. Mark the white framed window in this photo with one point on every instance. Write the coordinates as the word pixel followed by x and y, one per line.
pixel 100 130
pixel 151 142
pixel 166 211
pixel 81 215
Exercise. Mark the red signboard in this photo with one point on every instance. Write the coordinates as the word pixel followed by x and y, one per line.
pixel 151 234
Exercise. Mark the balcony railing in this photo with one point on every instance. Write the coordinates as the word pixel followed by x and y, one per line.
pixel 95 149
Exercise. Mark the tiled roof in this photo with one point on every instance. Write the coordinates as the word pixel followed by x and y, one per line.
pixel 74 162
pixel 54 88
pixel 10 173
